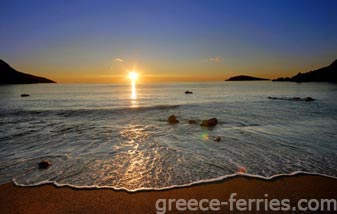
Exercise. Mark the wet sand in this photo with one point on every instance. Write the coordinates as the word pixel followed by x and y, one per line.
pixel 51 199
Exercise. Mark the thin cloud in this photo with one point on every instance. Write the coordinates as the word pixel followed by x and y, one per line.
pixel 215 59
pixel 118 60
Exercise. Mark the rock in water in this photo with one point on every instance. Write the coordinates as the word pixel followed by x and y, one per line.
pixel 192 122
pixel 188 92
pixel 217 139
pixel 309 99
pixel 44 164
pixel 209 123
pixel 292 98
pixel 173 119
pixel 25 95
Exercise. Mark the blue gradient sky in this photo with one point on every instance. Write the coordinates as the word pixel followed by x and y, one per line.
pixel 79 41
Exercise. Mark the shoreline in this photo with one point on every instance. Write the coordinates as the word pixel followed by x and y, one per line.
pixel 48 198
pixel 199 182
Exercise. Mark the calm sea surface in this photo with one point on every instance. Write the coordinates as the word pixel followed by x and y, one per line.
pixel 118 136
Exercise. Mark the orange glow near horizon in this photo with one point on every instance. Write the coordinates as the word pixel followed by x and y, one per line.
pixel 153 74
pixel 147 78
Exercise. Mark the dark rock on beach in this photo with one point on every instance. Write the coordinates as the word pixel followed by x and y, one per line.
pixel 9 75
pixel 172 119
pixel 209 123
pixel 188 92
pixel 25 95
pixel 44 164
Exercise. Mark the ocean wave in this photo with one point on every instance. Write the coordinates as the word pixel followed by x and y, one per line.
pixel 199 182
pixel 81 112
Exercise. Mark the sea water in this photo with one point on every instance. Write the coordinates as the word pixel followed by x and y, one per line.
pixel 116 135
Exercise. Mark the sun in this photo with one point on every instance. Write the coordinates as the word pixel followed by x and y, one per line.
pixel 133 75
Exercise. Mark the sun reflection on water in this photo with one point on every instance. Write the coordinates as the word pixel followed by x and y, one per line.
pixel 133 90
pixel 136 162
pixel 133 97
pixel 133 76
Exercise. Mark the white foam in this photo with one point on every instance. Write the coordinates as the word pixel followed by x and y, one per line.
pixel 174 186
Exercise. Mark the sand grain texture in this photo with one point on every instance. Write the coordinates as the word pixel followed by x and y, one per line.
pixel 51 199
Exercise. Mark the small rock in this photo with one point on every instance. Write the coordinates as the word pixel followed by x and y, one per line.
pixel 173 119
pixel 217 139
pixel 292 98
pixel 209 123
pixel 309 99
pixel 25 95
pixel 192 122
pixel 188 92
pixel 44 164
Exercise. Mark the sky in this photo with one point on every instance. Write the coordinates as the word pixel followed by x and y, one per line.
pixel 167 40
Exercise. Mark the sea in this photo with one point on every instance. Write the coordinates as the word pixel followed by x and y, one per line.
pixel 118 135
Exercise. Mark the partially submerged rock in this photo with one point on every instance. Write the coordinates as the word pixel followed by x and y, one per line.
pixel 172 119
pixel 44 164
pixel 188 92
pixel 25 95
pixel 309 99
pixel 209 123
pixel 217 139
pixel 192 122
pixel 292 98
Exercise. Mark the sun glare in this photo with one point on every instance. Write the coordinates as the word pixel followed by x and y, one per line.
pixel 133 75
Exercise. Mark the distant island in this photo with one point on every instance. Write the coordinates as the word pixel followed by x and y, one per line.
pixel 9 75
pixel 244 78
pixel 325 74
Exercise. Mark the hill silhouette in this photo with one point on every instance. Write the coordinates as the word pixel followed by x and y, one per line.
pixel 244 78
pixel 9 75
pixel 325 74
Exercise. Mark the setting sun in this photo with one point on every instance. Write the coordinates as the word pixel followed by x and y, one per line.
pixel 133 75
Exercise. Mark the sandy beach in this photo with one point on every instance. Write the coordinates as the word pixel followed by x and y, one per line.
pixel 51 199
